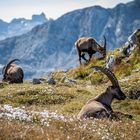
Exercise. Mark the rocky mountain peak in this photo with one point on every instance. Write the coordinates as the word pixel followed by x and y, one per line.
pixel 40 17
pixel 50 45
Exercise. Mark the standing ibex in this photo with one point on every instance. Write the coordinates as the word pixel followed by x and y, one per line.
pixel 89 45
pixel 100 106
pixel 12 73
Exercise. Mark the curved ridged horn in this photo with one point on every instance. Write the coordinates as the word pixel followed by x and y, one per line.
pixel 109 74
pixel 3 70
pixel 104 43
pixel 6 67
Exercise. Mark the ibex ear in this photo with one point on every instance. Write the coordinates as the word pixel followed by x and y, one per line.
pixel 91 39
pixel 109 88
pixel 99 48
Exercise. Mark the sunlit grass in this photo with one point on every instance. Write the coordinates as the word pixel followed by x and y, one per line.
pixel 67 99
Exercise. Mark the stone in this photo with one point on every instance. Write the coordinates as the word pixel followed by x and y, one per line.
pixel 51 81
pixel 132 43
pixel 110 62
pixel 36 81
pixel 136 70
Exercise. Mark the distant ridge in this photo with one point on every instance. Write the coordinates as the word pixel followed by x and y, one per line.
pixel 19 26
pixel 51 45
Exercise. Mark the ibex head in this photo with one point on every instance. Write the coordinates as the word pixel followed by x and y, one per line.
pixel 102 49
pixel 116 92
pixel 115 89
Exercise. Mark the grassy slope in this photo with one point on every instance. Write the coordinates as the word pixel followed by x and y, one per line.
pixel 68 99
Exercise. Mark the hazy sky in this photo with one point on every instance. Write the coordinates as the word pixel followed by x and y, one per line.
pixel 10 9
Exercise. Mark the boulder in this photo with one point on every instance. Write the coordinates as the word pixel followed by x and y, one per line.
pixel 110 62
pixel 51 81
pixel 36 81
pixel 132 43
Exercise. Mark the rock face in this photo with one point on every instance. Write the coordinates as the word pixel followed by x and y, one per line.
pixel 36 81
pixel 51 46
pixel 20 26
pixel 132 43
pixel 110 62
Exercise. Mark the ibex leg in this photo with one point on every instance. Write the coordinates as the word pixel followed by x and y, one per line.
pixel 83 56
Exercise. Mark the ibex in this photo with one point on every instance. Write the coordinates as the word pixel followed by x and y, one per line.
pixel 100 106
pixel 90 46
pixel 12 73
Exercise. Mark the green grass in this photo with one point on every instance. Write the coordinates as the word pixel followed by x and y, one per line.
pixel 68 100
pixel 28 94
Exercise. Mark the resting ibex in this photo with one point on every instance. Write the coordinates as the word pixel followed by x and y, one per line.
pixel 90 46
pixel 100 106
pixel 12 73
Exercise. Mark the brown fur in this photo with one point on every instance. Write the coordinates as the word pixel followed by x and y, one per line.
pixel 100 106
pixel 13 74
pixel 90 46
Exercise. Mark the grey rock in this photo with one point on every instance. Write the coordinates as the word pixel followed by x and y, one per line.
pixel 68 80
pixel 51 81
pixel 36 81
pixel 110 62
pixel 136 70
pixel 132 43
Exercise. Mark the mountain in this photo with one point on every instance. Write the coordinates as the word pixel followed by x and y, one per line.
pixel 20 26
pixel 51 45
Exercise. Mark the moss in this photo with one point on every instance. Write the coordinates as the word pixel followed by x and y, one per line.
pixel 82 72
pixel 123 70
pixel 35 96
pixel 2 85
pixel 96 78
pixel 128 106
pixel 72 107
pixel 83 92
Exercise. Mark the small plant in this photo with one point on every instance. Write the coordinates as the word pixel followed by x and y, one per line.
pixel 2 85
pixel 72 107
pixel 82 72
pixel 96 78
pixel 123 70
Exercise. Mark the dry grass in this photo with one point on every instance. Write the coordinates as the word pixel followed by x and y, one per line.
pixel 75 97
pixel 68 99
pixel 74 130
